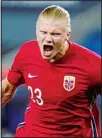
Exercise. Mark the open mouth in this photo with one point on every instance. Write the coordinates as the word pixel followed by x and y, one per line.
pixel 48 50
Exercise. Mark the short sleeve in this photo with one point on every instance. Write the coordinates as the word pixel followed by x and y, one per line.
pixel 96 76
pixel 15 76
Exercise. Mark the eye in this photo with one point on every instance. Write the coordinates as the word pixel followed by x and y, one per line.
pixel 43 32
pixel 56 34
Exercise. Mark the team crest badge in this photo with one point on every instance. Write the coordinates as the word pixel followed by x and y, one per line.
pixel 69 83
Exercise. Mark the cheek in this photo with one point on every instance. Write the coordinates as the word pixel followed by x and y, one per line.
pixel 60 39
pixel 57 46
pixel 59 42
pixel 39 38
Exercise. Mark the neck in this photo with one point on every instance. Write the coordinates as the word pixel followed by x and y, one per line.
pixel 61 52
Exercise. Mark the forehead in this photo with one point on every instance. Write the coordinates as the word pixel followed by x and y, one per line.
pixel 51 23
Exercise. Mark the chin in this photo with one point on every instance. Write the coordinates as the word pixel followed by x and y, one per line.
pixel 44 57
pixel 47 57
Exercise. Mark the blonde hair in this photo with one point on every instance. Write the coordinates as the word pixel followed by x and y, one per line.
pixel 56 12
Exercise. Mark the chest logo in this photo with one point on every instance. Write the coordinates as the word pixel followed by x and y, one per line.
pixel 32 76
pixel 69 83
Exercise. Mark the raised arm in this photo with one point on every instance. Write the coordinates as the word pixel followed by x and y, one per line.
pixel 8 91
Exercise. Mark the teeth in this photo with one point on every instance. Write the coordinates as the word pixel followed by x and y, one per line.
pixel 48 53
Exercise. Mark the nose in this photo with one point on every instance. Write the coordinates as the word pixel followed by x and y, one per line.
pixel 48 38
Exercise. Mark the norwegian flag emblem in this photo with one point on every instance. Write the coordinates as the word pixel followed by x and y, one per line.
pixel 69 83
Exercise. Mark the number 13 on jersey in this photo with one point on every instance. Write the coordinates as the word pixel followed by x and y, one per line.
pixel 38 95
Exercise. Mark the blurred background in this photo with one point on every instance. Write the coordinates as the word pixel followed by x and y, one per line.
pixel 18 25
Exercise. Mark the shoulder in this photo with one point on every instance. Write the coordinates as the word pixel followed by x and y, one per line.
pixel 86 53
pixel 29 46
pixel 28 49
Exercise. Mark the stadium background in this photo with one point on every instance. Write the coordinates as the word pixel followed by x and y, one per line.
pixel 18 25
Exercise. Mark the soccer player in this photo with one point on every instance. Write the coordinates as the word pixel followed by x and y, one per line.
pixel 63 79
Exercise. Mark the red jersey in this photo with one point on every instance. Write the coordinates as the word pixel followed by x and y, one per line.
pixel 61 93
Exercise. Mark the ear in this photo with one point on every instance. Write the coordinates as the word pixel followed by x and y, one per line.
pixel 68 35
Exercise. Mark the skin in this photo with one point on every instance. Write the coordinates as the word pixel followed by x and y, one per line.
pixel 8 91
pixel 53 33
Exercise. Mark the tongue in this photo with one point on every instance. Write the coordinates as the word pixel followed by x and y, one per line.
pixel 47 53
pixel 47 50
